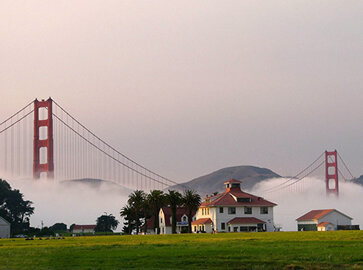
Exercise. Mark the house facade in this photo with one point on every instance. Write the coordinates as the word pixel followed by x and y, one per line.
pixel 323 220
pixel 4 228
pixel 234 211
pixel 84 229
pixel 165 220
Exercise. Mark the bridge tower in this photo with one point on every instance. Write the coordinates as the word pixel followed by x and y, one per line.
pixel 331 173
pixel 47 167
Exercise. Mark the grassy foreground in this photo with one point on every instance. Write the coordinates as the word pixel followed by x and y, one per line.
pixel 282 250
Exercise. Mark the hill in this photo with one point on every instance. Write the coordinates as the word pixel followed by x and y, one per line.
pixel 358 180
pixel 213 182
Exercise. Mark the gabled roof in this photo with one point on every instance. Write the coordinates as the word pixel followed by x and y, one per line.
pixel 245 220
pixel 84 227
pixel 7 222
pixel 180 212
pixel 149 223
pixel 226 199
pixel 202 221
pixel 323 224
pixel 317 214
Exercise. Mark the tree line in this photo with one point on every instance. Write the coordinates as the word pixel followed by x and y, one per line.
pixel 14 208
pixel 141 206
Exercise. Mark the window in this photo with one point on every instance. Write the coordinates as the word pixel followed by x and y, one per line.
pixel 161 220
pixel 221 210
pixel 235 229
pixel 202 211
pixel 231 210
pixel 195 228
pixel 248 210
pixel 229 228
pixel 208 210
pixel 223 226
pixel 264 210
pixel 184 219
pixel 243 199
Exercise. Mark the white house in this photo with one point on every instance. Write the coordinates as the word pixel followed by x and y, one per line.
pixel 234 211
pixel 83 229
pixel 165 220
pixel 322 220
pixel 4 228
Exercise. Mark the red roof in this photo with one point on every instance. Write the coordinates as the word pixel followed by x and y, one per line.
pixel 245 220
pixel 228 199
pixel 323 224
pixel 315 214
pixel 180 211
pixel 233 181
pixel 202 221
pixel 149 223
pixel 84 227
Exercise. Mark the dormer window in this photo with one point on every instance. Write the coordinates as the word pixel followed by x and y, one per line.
pixel 244 200
pixel 233 184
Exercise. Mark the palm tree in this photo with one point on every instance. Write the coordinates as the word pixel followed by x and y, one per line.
pixel 129 215
pixel 191 201
pixel 137 202
pixel 174 199
pixel 156 200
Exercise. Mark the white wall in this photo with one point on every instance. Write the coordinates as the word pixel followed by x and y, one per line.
pixel 4 229
pixel 336 219
pixel 218 218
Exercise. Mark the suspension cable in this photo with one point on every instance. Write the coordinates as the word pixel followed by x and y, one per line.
pixel 104 152
pixel 16 113
pixel 118 152
pixel 17 121
pixel 306 175
pixel 346 167
pixel 297 175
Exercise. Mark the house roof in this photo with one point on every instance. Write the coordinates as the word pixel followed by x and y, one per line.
pixel 202 221
pixel 232 181
pixel 84 227
pixel 7 222
pixel 229 198
pixel 317 214
pixel 245 220
pixel 149 223
pixel 180 211
pixel 323 224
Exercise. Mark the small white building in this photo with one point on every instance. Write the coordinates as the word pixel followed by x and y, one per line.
pixel 234 211
pixel 4 228
pixel 323 220
pixel 84 229
pixel 165 220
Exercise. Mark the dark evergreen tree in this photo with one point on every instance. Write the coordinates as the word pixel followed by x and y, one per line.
pixel 106 223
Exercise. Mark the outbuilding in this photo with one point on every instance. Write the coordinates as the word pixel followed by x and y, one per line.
pixel 323 220
pixel 84 229
pixel 4 228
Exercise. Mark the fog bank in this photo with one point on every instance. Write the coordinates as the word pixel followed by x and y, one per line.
pixel 293 202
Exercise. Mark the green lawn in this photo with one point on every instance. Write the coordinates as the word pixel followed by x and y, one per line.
pixel 281 250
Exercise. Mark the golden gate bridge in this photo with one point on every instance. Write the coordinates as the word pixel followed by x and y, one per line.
pixel 43 140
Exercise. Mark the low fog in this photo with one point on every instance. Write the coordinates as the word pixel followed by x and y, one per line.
pixel 294 201
pixel 77 203
pixel 55 201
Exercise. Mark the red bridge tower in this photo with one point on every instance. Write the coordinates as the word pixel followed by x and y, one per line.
pixel 48 167
pixel 331 173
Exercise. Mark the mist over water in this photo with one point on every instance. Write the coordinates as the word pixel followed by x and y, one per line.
pixel 293 202
pixel 76 203
pixel 80 203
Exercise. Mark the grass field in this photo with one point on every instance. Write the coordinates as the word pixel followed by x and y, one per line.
pixel 282 250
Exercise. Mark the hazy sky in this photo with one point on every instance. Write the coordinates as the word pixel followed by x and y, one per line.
pixel 188 87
